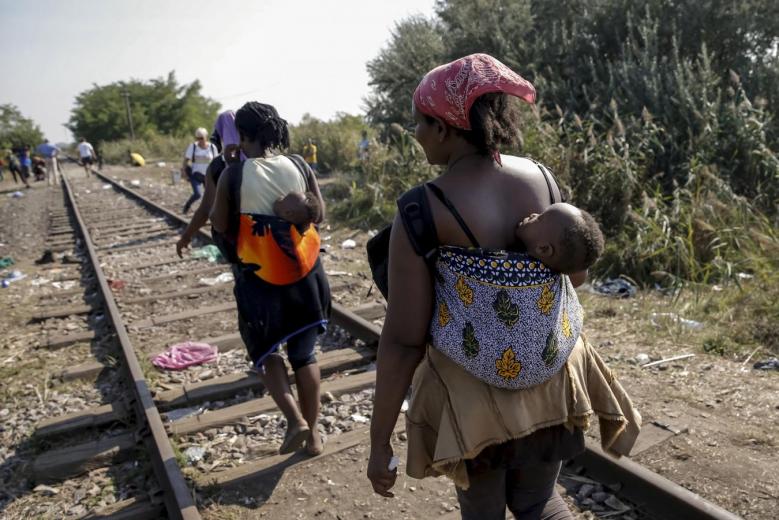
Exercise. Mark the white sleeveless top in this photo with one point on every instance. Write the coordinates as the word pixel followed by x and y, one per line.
pixel 267 179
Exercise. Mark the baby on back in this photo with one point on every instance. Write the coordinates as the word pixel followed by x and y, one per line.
pixel 565 238
pixel 298 208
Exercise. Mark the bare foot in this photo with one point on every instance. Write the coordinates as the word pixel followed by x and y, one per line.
pixel 295 437
pixel 315 444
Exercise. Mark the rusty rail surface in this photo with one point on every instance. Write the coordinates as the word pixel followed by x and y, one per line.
pixel 178 500
pixel 648 490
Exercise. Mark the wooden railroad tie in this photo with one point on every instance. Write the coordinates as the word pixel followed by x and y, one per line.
pixel 71 461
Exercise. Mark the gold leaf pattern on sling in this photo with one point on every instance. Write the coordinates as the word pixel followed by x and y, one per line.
pixel 464 291
pixel 566 325
pixel 443 314
pixel 551 349
pixel 470 343
pixel 507 365
pixel 506 311
pixel 545 300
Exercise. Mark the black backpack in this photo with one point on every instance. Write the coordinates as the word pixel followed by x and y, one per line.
pixel 417 218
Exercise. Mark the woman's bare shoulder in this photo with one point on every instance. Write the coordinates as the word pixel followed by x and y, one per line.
pixel 523 178
pixel 520 167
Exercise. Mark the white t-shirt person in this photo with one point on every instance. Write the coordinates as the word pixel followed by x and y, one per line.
pixel 202 156
pixel 85 150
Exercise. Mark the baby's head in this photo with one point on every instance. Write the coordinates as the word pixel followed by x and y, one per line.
pixel 299 208
pixel 563 237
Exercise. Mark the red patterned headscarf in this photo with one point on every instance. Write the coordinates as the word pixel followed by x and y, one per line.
pixel 448 91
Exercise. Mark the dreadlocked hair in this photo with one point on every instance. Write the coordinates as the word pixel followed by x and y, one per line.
pixel 260 122
pixel 494 121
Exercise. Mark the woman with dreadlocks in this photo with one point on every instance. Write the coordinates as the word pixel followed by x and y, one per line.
pixel 280 285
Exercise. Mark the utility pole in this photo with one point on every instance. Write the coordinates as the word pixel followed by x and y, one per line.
pixel 126 96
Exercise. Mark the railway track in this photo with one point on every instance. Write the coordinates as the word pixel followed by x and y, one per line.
pixel 152 299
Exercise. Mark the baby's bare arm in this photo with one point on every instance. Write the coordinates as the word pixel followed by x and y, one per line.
pixel 295 208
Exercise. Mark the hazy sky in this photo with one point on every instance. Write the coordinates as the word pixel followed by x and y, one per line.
pixel 299 55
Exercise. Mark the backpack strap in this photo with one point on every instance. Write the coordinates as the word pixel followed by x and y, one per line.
pixel 303 168
pixel 448 203
pixel 550 180
pixel 194 148
pixel 417 218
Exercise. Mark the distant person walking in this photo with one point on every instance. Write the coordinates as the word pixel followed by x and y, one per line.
pixel 226 136
pixel 363 147
pixel 25 165
pixel 13 165
pixel 309 155
pixel 50 152
pixel 86 154
pixel 197 157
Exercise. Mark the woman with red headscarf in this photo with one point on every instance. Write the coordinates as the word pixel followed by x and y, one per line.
pixel 495 413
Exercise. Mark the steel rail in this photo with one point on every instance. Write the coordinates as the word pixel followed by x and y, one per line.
pixel 178 498
pixel 341 316
pixel 653 492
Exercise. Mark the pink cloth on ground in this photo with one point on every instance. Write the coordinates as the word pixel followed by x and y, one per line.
pixel 183 355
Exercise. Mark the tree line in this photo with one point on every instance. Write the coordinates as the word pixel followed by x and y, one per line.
pixel 158 107
pixel 665 84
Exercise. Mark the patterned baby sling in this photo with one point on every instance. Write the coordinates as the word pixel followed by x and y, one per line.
pixel 503 316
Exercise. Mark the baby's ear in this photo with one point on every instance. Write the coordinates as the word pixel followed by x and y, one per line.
pixel 544 250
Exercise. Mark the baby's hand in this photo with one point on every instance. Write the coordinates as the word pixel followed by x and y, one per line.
pixel 293 209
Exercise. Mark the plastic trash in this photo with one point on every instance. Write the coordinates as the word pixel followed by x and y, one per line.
pixel 194 454
pixel 135 182
pixel 222 278
pixel 13 276
pixel 348 244
pixel 6 261
pixel 691 324
pixel 616 287
pixel 106 186
pixel 182 413
pixel 769 364
pixel 16 194
pixel 642 359
pixel 162 164
pixel 657 317
pixel 209 252
pixel 358 418
pixel 183 355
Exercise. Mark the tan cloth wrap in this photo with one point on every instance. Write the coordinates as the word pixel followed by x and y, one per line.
pixel 453 415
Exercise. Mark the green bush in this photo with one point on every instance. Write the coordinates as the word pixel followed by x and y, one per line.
pixel 375 184
pixel 153 148
pixel 336 140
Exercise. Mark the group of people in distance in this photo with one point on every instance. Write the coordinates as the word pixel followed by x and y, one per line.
pixel 44 165
pixel 487 333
